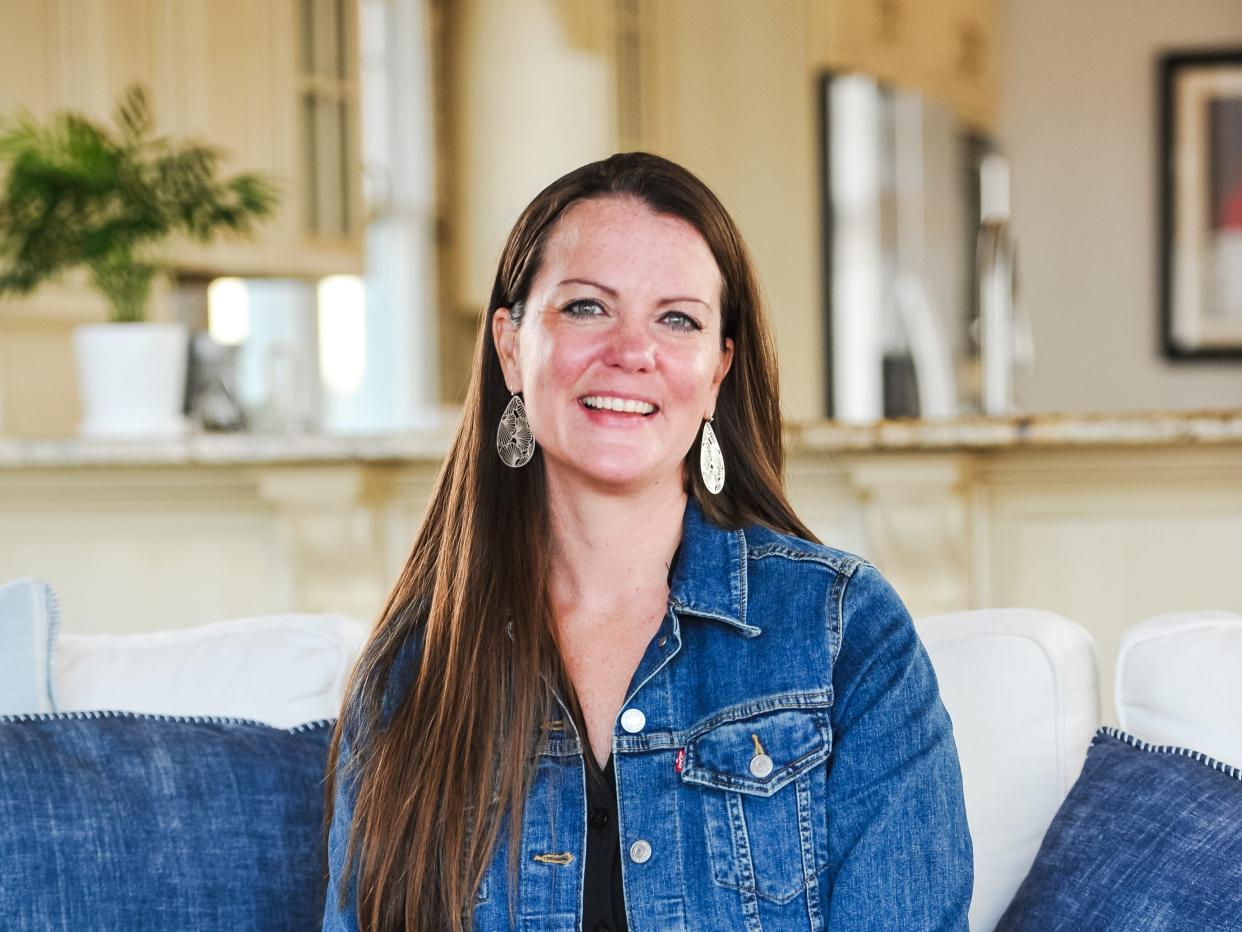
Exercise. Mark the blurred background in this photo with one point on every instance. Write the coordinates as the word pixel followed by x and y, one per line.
pixel 861 145
pixel 966 216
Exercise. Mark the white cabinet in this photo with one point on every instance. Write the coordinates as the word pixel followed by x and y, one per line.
pixel 275 83
pixel 944 48
pixel 272 82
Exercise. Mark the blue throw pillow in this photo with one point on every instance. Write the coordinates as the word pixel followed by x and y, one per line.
pixel 119 822
pixel 1149 838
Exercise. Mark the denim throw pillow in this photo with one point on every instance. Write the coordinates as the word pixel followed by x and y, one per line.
pixel 1149 838
pixel 113 820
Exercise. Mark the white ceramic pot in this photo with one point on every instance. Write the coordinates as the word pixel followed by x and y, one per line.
pixel 131 378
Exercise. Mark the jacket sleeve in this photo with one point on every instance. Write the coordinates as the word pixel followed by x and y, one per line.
pixel 340 916
pixel 900 854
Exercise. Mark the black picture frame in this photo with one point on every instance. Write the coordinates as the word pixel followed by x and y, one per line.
pixel 1200 160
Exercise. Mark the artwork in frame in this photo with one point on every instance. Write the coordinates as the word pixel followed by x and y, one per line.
pixel 1201 203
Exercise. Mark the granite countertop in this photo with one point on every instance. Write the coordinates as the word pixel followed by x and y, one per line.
pixel 1141 428
pixel 430 444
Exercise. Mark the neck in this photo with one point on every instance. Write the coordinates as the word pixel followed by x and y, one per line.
pixel 611 550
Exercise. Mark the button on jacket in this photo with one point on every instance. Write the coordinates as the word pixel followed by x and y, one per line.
pixel 783 762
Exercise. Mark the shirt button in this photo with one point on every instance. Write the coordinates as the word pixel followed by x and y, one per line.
pixel 599 817
pixel 640 851
pixel 633 720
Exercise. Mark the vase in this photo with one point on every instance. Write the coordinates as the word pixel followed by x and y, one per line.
pixel 132 379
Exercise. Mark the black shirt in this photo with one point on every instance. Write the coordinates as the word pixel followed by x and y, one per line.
pixel 603 899
pixel 603 896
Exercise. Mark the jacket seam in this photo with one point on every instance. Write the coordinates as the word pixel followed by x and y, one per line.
pixel 836 617
pixel 743 549
pixel 842 563
pixel 807 701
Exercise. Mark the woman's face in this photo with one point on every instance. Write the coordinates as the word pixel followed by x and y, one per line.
pixel 623 313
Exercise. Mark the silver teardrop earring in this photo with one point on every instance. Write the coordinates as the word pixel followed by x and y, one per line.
pixel 514 441
pixel 711 460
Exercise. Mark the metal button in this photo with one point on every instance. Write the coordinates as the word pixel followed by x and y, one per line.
pixel 760 765
pixel 640 851
pixel 633 720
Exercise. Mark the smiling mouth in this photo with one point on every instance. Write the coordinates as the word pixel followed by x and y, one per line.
pixel 618 405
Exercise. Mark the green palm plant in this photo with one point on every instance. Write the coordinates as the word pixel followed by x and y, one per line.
pixel 79 194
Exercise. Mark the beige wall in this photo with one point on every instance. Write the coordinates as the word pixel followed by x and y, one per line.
pixel 1078 119
pixel 731 94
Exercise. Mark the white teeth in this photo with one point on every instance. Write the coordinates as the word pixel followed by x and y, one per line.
pixel 625 405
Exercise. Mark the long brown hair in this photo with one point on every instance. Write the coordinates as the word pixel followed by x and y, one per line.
pixel 440 755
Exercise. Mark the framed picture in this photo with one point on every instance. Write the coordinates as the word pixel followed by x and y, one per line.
pixel 1201 204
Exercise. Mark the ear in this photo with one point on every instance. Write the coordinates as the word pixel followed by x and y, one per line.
pixel 722 369
pixel 505 336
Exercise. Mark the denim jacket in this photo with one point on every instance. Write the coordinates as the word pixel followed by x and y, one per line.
pixel 783 762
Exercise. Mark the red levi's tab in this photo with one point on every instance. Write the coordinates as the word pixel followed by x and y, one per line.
pixel 680 762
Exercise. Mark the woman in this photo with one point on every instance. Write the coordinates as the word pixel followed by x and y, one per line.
pixel 618 682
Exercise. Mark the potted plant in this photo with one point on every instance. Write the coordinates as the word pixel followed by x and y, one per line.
pixel 78 194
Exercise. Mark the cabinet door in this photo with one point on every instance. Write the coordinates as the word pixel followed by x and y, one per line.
pixel 275 83
pixel 944 48
pixel 220 88
pixel 959 57
pixel 878 37
pixel 27 57
pixel 318 113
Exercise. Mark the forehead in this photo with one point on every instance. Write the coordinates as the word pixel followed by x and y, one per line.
pixel 624 244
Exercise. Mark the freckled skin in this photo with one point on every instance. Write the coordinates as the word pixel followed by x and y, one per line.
pixel 623 337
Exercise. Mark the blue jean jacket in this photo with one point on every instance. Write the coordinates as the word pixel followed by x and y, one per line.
pixel 783 762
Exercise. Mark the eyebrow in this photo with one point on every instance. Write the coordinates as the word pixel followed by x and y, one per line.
pixel 611 292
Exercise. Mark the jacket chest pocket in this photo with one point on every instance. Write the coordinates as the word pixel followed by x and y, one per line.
pixel 763 783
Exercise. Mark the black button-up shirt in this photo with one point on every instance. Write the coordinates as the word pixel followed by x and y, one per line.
pixel 603 899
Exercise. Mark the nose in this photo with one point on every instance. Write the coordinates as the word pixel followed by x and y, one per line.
pixel 630 346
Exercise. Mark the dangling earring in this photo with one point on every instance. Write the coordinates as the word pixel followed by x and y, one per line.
pixel 711 461
pixel 514 441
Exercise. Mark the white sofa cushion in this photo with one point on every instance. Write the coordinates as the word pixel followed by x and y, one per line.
pixel 279 669
pixel 1022 689
pixel 1179 682
pixel 29 618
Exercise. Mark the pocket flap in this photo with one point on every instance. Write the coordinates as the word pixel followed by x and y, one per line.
pixel 723 756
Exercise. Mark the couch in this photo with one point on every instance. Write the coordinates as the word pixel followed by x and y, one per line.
pixel 1079 826
pixel 1020 685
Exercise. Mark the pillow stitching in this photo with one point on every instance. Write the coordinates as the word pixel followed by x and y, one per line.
pixel 82 715
pixel 1140 744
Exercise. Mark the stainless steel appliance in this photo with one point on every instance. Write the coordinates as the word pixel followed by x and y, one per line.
pixel 919 261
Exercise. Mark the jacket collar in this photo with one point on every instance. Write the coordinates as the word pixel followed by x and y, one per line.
pixel 709 579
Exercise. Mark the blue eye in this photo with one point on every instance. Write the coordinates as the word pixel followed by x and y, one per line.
pixel 583 308
pixel 682 321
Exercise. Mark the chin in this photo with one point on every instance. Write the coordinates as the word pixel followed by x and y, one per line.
pixel 622 473
pixel 621 478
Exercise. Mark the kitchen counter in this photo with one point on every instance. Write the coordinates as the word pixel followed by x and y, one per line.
pixel 970 433
pixel 1030 430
